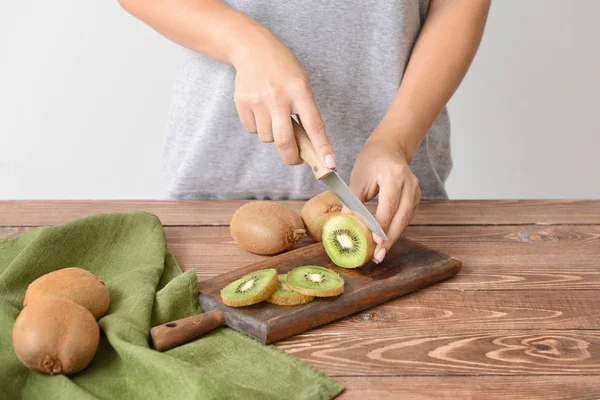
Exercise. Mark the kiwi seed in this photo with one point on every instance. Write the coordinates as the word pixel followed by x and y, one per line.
pixel 315 281
pixel 250 289
pixel 347 241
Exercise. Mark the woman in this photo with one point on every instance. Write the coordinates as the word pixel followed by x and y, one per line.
pixel 371 77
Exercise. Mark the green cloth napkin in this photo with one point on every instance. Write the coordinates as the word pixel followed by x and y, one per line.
pixel 128 251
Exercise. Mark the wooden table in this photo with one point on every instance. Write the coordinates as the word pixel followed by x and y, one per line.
pixel 520 321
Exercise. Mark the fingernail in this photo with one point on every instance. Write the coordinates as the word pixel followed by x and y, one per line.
pixel 380 255
pixel 330 161
pixel 377 239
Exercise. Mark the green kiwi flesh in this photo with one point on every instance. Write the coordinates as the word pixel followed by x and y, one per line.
pixel 313 280
pixel 347 241
pixel 250 289
pixel 283 296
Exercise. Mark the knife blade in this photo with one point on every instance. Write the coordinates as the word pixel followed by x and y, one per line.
pixel 333 181
pixel 343 192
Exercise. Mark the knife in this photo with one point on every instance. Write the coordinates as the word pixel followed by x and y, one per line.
pixel 332 180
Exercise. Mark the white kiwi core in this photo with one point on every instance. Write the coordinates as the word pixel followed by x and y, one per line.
pixel 345 241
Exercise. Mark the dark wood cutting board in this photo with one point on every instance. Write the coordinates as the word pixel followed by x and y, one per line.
pixel 407 267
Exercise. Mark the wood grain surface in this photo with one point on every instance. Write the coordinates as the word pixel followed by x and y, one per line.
pixel 496 352
pixel 203 213
pixel 471 388
pixel 494 257
pixel 520 321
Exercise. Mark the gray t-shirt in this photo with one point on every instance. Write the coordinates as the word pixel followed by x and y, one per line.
pixel 354 51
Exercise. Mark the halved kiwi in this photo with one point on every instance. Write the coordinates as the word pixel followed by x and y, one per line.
pixel 251 288
pixel 348 242
pixel 284 296
pixel 313 280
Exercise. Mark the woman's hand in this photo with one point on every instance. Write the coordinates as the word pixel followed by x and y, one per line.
pixel 270 83
pixel 270 86
pixel 439 60
pixel 381 168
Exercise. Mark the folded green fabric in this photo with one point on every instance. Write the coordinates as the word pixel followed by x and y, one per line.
pixel 128 251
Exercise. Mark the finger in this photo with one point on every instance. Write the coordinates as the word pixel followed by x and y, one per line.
pixel 417 200
pixel 264 125
pixel 399 222
pixel 358 187
pixel 388 202
pixel 283 134
pixel 312 121
pixel 246 117
pixel 364 190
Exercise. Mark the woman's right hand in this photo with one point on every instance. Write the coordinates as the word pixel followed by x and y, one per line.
pixel 270 86
pixel 270 83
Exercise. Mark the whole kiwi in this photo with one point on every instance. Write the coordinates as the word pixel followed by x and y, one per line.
pixel 264 227
pixel 317 210
pixel 55 336
pixel 75 284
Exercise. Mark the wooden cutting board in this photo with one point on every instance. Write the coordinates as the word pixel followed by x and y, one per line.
pixel 407 267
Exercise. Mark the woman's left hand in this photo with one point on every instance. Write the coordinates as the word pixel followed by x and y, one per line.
pixel 381 168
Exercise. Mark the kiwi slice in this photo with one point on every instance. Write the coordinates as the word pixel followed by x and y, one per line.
pixel 284 296
pixel 348 242
pixel 313 280
pixel 250 289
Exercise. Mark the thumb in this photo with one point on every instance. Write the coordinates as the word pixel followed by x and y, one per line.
pixel 357 186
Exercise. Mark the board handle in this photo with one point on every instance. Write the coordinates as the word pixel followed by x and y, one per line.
pixel 166 336
pixel 308 152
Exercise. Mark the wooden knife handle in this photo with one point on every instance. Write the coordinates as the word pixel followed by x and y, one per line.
pixel 166 336
pixel 308 153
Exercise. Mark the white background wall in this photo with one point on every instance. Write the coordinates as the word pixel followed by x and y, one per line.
pixel 85 88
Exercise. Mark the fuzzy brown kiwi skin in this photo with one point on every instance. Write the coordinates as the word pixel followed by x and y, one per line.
pixel 56 336
pixel 265 294
pixel 370 242
pixel 317 210
pixel 290 301
pixel 266 228
pixel 75 284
